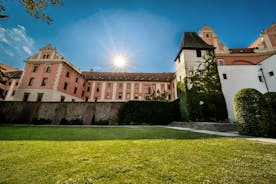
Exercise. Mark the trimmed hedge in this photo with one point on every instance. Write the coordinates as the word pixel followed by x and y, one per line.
pixel 251 113
pixel 270 99
pixel 148 112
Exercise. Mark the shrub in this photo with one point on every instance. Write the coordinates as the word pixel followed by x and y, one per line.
pixel 270 99
pixel 148 112
pixel 250 112
pixel 71 122
pixel 41 121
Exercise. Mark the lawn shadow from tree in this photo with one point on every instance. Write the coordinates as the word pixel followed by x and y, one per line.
pixel 78 133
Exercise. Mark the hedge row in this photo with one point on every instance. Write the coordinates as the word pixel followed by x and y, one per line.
pixel 255 113
pixel 148 112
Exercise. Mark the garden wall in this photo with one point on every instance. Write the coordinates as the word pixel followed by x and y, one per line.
pixel 58 113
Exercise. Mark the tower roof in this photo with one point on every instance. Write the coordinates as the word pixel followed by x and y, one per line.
pixel 191 40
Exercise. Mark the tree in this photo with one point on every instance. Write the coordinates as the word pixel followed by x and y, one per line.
pixel 34 8
pixel 201 97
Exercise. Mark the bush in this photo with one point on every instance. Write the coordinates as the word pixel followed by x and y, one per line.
pixel 148 112
pixel 71 122
pixel 41 121
pixel 250 111
pixel 270 99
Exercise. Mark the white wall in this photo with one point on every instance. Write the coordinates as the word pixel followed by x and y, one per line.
pixel 269 65
pixel 239 77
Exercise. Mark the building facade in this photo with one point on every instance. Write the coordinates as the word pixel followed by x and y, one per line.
pixel 48 76
pixel 252 67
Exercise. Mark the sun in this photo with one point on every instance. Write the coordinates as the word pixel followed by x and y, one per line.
pixel 120 62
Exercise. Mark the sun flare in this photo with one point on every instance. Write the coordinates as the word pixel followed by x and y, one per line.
pixel 119 62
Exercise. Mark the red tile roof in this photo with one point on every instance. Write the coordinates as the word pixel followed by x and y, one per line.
pixel 241 50
pixel 123 76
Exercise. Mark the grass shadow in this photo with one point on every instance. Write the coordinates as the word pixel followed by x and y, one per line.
pixel 78 133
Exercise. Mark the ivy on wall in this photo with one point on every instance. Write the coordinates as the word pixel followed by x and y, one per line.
pixel 200 94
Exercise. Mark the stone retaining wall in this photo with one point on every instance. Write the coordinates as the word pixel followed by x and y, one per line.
pixel 56 113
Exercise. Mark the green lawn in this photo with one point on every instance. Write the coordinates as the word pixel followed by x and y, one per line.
pixel 130 155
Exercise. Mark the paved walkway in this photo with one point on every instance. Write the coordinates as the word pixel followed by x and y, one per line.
pixel 226 134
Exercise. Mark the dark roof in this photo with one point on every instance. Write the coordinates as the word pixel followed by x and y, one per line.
pixel 14 74
pixel 191 40
pixel 123 76
pixel 242 50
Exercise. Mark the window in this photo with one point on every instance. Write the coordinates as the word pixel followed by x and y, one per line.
pixel 271 73
pixel 169 97
pixel 207 35
pixel 75 90
pixel 46 56
pixel 39 97
pixel 31 81
pixel 35 68
pixel 121 85
pixel 67 74
pixel 162 86
pixel 44 81
pixel 169 86
pixel 147 86
pixel 62 98
pixel 107 95
pixel 198 53
pixel 48 69
pixel 136 86
pixel 180 77
pixel 86 99
pixel 98 90
pixel 13 93
pixel 260 78
pixel 127 95
pixel 224 75
pixel 109 85
pixel 65 85
pixel 128 85
pixel 220 62
pixel 120 95
pixel 25 97
pixel 82 93
pixel 77 80
pixel 88 88
pixel 135 96
pixel 16 84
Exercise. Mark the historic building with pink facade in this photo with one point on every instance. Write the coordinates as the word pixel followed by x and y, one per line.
pixel 50 77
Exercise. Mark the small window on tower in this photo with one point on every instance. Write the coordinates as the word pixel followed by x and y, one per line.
pixel 198 53
pixel 260 78
pixel 207 35
pixel 224 76
pixel 271 73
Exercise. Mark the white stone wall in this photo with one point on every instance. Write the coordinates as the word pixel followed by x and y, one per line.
pixel 269 65
pixel 239 77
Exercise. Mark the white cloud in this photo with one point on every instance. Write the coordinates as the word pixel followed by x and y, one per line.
pixel 15 44
pixel 27 50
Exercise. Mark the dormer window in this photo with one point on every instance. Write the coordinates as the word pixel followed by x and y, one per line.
pixel 46 56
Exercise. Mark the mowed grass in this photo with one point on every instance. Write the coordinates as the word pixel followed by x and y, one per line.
pixel 130 155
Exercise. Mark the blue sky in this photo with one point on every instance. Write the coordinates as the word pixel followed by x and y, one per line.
pixel 90 33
